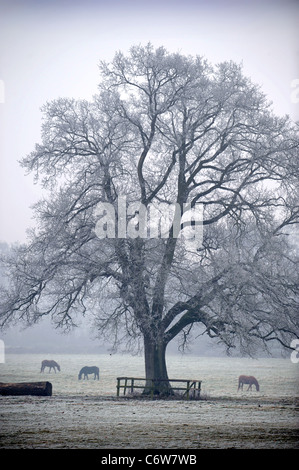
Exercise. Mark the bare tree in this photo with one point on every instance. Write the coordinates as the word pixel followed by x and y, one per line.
pixel 168 129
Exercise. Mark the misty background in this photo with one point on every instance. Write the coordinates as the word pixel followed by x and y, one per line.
pixel 52 49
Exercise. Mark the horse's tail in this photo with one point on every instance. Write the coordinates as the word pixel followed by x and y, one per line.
pixel 42 367
pixel 80 374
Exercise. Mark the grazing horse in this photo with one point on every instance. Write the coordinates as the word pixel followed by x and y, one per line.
pixel 50 364
pixel 250 380
pixel 89 370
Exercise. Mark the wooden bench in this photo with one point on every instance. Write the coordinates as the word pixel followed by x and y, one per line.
pixel 191 388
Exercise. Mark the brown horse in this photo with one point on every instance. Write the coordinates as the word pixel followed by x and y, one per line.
pixel 50 364
pixel 248 380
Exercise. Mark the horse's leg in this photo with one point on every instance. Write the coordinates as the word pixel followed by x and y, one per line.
pixel 249 387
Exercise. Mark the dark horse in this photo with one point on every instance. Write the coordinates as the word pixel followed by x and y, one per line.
pixel 89 370
pixel 50 364
pixel 248 380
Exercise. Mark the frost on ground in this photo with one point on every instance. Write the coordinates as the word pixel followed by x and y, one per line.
pixel 87 414
pixel 105 422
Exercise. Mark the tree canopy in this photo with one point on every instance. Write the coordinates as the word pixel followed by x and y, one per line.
pixel 164 129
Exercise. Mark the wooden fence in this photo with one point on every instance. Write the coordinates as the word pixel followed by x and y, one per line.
pixel 190 388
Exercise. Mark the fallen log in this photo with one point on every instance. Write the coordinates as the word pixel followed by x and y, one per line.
pixel 26 388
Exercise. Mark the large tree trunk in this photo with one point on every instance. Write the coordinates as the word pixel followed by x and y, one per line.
pixel 155 367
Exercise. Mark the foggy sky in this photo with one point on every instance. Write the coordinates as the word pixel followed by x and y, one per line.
pixel 51 49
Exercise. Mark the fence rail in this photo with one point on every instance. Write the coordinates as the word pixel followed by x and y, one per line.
pixel 190 388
